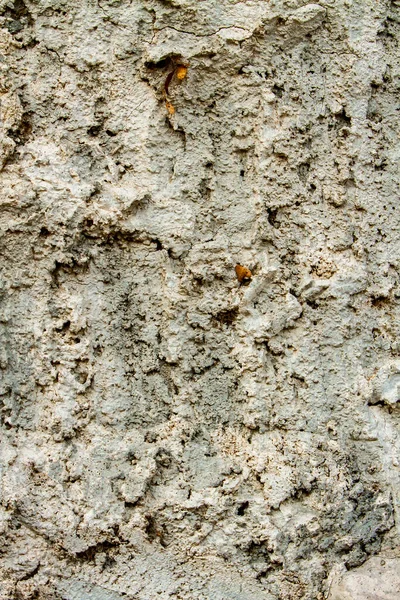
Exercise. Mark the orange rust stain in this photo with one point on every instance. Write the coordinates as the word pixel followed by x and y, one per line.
pixel 181 72
pixel 243 273
pixel 170 107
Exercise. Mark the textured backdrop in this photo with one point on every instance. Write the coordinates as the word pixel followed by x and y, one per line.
pixel 168 432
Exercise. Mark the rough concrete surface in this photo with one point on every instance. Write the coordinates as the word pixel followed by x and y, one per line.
pixel 166 430
pixel 376 579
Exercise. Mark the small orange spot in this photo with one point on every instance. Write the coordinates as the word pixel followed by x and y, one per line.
pixel 243 273
pixel 181 72
pixel 170 108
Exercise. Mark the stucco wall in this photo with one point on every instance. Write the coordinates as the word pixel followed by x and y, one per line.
pixel 169 431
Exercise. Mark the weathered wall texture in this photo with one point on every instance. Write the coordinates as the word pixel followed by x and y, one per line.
pixel 166 431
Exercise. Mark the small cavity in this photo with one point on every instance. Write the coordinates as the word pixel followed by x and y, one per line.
pixel 242 508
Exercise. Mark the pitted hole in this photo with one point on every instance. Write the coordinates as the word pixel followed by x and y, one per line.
pixel 161 64
pixel 381 165
pixel 17 17
pixel 312 304
pixel 97 350
pixel 242 508
pixel 278 90
pixel 157 243
pixel 303 171
pixel 271 215
pixel 64 327
pixel 342 119
pixel 380 301
pixel 155 531
pixel 228 316
pixel 90 553
pixel 23 133
pixel 94 130
pixel 82 378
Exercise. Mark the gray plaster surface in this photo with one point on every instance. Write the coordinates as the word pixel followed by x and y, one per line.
pixel 167 431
